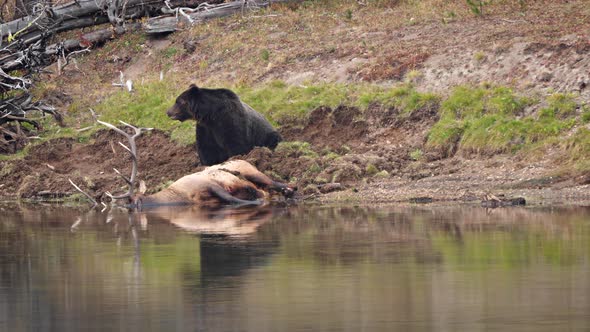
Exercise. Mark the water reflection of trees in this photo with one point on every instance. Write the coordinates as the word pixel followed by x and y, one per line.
pixel 346 235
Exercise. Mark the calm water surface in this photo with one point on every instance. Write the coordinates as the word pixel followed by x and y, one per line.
pixel 295 269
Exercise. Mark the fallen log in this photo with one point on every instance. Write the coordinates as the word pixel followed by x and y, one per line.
pixel 87 40
pixel 492 201
pixel 7 61
pixel 87 10
pixel 77 23
pixel 165 24
pixel 46 19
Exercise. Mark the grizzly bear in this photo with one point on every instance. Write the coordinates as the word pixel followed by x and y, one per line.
pixel 226 126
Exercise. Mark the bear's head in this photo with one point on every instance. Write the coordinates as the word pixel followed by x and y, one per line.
pixel 184 107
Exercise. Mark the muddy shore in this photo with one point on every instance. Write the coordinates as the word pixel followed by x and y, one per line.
pixel 333 158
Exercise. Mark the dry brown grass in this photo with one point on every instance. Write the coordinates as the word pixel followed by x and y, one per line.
pixel 392 67
pixel 7 10
pixel 389 37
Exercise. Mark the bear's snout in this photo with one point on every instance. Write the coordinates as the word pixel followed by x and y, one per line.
pixel 173 114
pixel 170 113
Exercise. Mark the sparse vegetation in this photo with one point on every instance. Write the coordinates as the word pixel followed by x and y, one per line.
pixel 265 54
pixel 486 119
pixel 146 107
pixel 578 150
pixel 371 169
pixel 416 154
pixel 348 14
pixel 170 52
pixel 586 114
pixel 562 105
pixel 479 56
pixel 5 170
pixel 281 102
pixel 296 149
pixel 477 6
pixel 382 174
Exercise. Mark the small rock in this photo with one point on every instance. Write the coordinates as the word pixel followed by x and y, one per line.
pixel 382 174
pixel 421 200
pixel 190 46
pixel 545 77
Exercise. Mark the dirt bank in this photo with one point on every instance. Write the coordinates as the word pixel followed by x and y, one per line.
pixel 336 156
pixel 44 172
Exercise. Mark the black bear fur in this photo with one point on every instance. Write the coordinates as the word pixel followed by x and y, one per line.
pixel 226 126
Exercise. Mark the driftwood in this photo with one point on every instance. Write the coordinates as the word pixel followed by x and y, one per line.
pixel 492 201
pixel 47 18
pixel 68 16
pixel 21 59
pixel 186 16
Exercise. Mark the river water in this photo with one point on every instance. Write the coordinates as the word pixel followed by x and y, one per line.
pixel 303 268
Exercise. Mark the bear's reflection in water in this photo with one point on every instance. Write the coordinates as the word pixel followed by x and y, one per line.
pixel 227 221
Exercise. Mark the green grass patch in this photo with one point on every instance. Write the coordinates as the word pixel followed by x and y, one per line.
pixel 280 102
pixel 445 133
pixel 494 133
pixel 562 105
pixel 405 97
pixel 468 102
pixel 371 169
pixel 170 52
pixel 277 101
pixel 146 107
pixel 490 119
pixel 487 119
pixel 296 149
pixel 503 100
pixel 464 102
pixel 578 149
pixel 586 114
pixel 416 154
pixel 265 54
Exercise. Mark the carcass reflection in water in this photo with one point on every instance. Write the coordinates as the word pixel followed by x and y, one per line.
pixel 228 221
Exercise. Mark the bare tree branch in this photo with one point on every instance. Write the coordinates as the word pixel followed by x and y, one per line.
pixel 132 150
pixel 94 203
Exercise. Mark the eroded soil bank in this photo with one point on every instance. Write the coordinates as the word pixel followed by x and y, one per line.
pixel 336 156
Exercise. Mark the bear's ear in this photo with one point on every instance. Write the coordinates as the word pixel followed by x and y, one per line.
pixel 193 86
